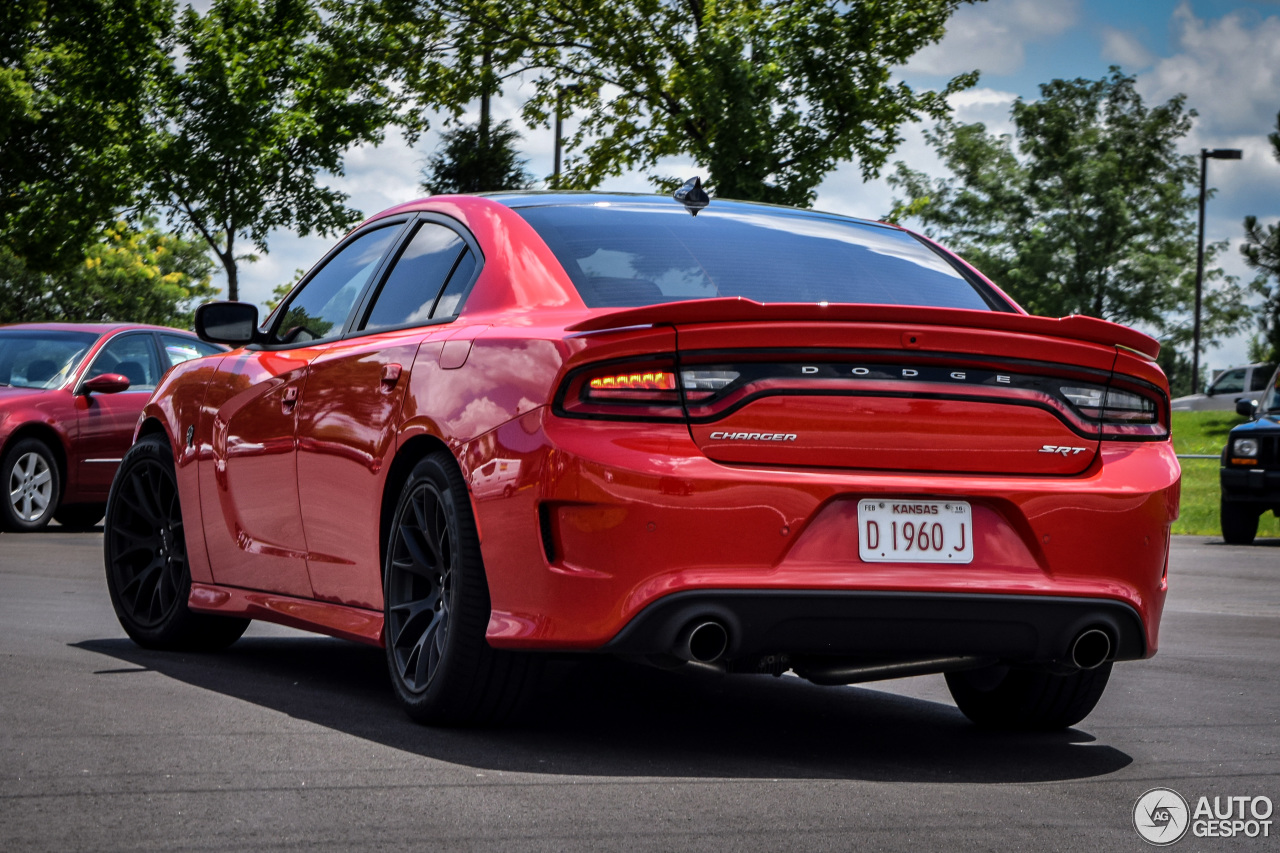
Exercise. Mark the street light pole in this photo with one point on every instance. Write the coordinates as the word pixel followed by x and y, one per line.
pixel 561 91
pixel 1205 156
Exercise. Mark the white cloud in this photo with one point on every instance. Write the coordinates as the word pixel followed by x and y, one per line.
pixel 1125 50
pixel 993 36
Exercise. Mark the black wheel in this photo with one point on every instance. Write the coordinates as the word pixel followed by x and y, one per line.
pixel 1004 697
pixel 146 557
pixel 437 607
pixel 32 489
pixel 80 516
pixel 1239 523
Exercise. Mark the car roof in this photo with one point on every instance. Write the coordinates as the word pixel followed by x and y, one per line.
pixel 560 198
pixel 95 328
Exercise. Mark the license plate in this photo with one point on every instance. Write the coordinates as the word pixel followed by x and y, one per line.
pixel 910 531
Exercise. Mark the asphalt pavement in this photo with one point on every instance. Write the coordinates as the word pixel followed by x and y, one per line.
pixel 293 741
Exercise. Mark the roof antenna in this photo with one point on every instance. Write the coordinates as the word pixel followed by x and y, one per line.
pixel 692 196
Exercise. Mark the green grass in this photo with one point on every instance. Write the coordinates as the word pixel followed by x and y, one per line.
pixel 1206 432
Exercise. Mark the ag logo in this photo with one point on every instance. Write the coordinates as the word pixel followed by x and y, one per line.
pixel 1161 816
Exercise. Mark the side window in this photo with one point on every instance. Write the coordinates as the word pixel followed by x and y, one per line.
pixel 414 283
pixel 132 356
pixel 1261 377
pixel 1231 382
pixel 179 349
pixel 453 291
pixel 319 310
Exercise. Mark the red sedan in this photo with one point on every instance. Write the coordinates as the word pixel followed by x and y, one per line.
pixel 752 440
pixel 70 396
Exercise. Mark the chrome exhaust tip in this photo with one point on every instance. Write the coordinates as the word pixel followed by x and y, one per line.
pixel 703 642
pixel 1091 648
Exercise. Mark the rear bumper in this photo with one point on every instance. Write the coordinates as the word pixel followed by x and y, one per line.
pixel 601 521
pixel 1022 628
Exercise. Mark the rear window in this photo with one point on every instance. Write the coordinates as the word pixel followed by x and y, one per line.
pixel 628 255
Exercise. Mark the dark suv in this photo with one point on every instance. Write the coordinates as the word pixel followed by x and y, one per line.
pixel 1251 467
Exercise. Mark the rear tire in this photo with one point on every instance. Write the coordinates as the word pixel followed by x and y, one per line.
pixel 32 486
pixel 80 516
pixel 145 553
pixel 1239 523
pixel 437 607
pixel 1003 697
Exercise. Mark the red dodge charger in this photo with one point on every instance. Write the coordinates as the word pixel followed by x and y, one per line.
pixel 753 440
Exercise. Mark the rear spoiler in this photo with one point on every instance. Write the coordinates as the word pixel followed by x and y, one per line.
pixel 736 309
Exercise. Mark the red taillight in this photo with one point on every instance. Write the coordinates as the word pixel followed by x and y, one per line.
pixel 645 390
pixel 634 386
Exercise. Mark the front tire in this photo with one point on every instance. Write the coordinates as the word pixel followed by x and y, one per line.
pixel 1239 523
pixel 32 488
pixel 1004 697
pixel 145 553
pixel 437 607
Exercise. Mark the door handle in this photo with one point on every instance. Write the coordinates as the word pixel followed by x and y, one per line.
pixel 390 376
pixel 289 399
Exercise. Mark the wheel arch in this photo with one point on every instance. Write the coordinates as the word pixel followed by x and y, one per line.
pixel 407 456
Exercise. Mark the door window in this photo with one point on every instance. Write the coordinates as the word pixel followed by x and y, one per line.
pixel 319 310
pixel 1231 382
pixel 131 356
pixel 409 294
pixel 178 349
pixel 1261 377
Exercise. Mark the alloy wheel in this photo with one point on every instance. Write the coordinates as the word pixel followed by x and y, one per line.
pixel 148 555
pixel 30 487
pixel 419 586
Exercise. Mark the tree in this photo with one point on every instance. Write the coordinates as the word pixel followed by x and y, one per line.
pixel 1261 251
pixel 135 273
pixel 267 98
pixel 467 162
pixel 73 78
pixel 766 96
pixel 1090 212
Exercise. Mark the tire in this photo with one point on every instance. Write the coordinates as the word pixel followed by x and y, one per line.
pixel 1003 697
pixel 80 516
pixel 436 599
pixel 32 486
pixel 1239 523
pixel 146 557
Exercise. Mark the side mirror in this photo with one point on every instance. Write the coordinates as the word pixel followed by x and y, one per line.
pixel 1246 408
pixel 234 323
pixel 105 383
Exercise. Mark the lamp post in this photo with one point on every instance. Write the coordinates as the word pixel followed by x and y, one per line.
pixel 1205 156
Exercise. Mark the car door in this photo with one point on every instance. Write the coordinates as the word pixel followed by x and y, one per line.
pixel 249 483
pixel 105 422
pixel 347 415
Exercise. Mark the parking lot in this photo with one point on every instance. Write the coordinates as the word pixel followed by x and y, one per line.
pixel 294 741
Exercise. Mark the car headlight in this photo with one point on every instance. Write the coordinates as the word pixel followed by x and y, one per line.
pixel 1247 447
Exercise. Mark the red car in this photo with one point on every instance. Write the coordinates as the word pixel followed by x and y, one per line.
pixel 70 396
pixel 753 440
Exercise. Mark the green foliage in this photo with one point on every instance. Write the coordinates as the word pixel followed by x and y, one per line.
pixel 469 161
pixel 73 74
pixel 1261 251
pixel 134 273
pixel 1091 209
pixel 766 96
pixel 267 98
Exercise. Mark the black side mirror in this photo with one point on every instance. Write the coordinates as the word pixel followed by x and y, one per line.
pixel 1246 408
pixel 234 323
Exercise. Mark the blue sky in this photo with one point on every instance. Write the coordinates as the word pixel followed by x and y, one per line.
pixel 1223 54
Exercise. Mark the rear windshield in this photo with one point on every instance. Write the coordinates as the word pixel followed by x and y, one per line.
pixel 626 255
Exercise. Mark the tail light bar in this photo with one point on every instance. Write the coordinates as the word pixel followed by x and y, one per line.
pixel 657 389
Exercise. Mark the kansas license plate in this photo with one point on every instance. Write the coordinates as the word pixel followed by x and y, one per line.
pixel 910 531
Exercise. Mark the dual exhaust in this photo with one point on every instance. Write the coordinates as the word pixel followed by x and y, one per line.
pixel 705 641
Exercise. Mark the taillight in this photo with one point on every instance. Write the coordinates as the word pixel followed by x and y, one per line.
pixel 633 390
pixel 1120 411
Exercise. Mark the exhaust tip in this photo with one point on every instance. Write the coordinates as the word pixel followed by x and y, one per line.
pixel 703 642
pixel 1091 648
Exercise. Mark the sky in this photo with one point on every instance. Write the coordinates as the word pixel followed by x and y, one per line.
pixel 1224 55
